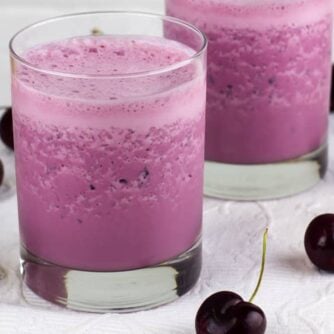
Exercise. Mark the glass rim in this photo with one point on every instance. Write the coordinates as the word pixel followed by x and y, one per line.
pixel 160 70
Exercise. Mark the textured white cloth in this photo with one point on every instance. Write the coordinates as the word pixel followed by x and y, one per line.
pixel 297 298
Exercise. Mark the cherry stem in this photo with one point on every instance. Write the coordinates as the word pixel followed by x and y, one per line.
pixel 263 262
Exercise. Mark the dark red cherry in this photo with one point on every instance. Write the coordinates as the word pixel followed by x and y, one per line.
pixel 211 313
pixel 6 128
pixel 319 241
pixel 225 312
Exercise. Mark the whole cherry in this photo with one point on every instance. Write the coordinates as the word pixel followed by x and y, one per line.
pixel 226 312
pixel 6 128
pixel 319 241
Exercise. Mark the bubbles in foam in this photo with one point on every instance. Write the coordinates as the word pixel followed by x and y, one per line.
pixel 256 14
pixel 107 55
pixel 62 98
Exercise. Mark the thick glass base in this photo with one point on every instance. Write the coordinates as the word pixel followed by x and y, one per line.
pixel 123 291
pixel 265 181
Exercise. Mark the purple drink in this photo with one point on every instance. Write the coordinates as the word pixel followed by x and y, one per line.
pixel 95 164
pixel 268 77
pixel 109 167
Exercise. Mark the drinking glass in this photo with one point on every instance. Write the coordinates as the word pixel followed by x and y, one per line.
pixel 109 145
pixel 268 94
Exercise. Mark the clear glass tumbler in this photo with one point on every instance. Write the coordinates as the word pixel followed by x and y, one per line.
pixel 268 93
pixel 109 120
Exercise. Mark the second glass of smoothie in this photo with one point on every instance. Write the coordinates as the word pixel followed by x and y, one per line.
pixel 268 93
pixel 109 146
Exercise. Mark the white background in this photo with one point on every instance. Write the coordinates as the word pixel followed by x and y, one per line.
pixel 297 298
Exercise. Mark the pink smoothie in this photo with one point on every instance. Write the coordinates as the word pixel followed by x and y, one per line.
pixel 269 76
pixel 109 170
